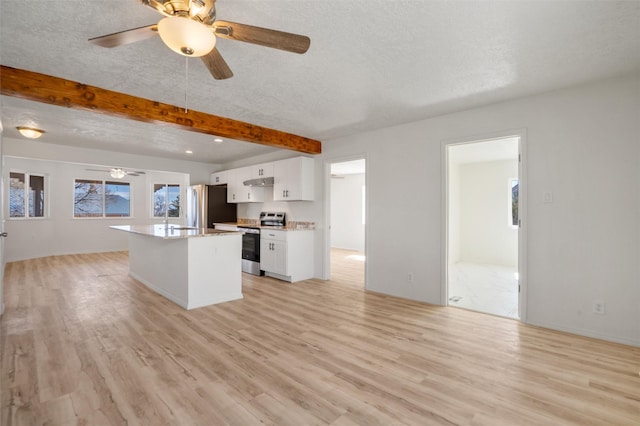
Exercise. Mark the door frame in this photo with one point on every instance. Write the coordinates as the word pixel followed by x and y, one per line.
pixel 326 269
pixel 2 223
pixel 522 211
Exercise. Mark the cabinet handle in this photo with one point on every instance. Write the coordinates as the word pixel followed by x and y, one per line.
pixel 283 193
pixel 248 195
pixel 234 196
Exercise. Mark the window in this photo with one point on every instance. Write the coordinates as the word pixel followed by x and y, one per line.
pixel 98 198
pixel 514 185
pixel 26 195
pixel 166 200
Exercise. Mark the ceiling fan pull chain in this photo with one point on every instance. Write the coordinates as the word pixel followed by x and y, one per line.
pixel 186 81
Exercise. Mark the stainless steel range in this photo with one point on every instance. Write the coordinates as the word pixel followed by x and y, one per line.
pixel 251 250
pixel 273 219
pixel 251 240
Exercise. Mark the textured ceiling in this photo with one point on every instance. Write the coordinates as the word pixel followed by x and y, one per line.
pixel 371 64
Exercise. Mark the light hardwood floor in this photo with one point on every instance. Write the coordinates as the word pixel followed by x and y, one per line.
pixel 84 344
pixel 347 267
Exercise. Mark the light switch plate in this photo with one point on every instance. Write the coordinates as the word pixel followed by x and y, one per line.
pixel 547 197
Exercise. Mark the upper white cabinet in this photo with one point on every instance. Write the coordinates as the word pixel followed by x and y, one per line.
pixel 263 170
pixel 219 178
pixel 237 192
pixel 293 179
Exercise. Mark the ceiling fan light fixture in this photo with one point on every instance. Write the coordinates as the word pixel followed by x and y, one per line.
pixel 195 7
pixel 117 173
pixel 185 36
pixel 30 132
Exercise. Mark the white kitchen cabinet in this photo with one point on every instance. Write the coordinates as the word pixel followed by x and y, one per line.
pixel 237 192
pixel 219 178
pixel 287 255
pixel 263 170
pixel 293 179
pixel 273 256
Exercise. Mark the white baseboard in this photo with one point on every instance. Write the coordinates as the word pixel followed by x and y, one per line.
pixel 587 333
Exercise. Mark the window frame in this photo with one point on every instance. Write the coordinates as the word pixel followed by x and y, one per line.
pixel 46 182
pixel 166 185
pixel 104 183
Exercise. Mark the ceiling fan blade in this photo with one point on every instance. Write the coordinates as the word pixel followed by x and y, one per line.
pixel 126 37
pixel 217 65
pixel 97 170
pixel 262 36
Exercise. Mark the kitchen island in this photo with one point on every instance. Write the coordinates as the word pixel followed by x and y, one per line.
pixel 190 266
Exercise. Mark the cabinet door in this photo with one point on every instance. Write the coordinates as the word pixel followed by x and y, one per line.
pixel 280 258
pixel 280 172
pixel 218 178
pixel 267 256
pixel 231 187
pixel 273 256
pixel 262 170
pixel 243 193
pixel 293 179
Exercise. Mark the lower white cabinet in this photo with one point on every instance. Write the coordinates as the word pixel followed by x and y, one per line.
pixel 287 255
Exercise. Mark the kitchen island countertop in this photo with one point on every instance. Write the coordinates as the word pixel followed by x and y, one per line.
pixel 172 231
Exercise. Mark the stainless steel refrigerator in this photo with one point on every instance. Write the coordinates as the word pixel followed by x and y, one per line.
pixel 207 204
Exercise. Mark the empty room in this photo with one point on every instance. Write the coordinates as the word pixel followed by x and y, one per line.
pixel 190 236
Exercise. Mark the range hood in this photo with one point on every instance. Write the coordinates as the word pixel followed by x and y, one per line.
pixel 268 181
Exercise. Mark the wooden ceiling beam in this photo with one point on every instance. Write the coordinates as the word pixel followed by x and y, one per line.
pixel 58 91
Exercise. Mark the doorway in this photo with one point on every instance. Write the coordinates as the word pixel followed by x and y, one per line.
pixel 483 220
pixel 347 221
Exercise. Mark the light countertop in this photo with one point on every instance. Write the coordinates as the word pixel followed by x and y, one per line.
pixel 172 231
pixel 280 228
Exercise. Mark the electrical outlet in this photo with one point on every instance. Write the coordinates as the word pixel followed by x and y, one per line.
pixel 547 197
pixel 598 307
pixel 410 277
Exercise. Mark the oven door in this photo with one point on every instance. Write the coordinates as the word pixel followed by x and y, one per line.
pixel 251 244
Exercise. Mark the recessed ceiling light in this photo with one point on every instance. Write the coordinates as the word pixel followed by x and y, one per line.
pixel 218 140
pixel 188 151
pixel 30 132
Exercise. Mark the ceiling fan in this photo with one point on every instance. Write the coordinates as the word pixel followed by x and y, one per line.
pixel 118 173
pixel 190 28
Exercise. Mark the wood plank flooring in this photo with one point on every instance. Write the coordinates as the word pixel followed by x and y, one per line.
pixel 83 344
pixel 347 267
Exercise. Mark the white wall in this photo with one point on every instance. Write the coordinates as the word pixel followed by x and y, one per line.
pixel 583 146
pixel 60 233
pixel 198 172
pixel 486 236
pixel 347 229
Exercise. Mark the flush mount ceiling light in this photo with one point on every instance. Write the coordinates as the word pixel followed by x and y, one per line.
pixel 117 173
pixel 218 140
pixel 185 36
pixel 30 132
